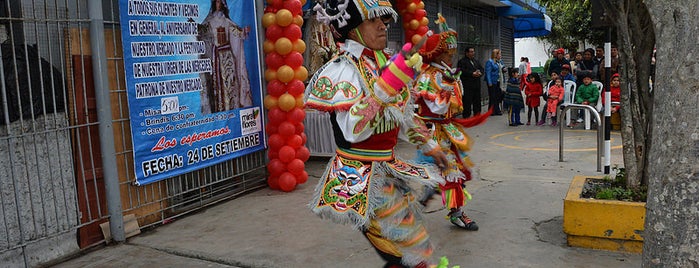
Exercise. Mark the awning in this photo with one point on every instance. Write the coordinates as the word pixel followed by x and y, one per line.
pixel 532 27
pixel 529 19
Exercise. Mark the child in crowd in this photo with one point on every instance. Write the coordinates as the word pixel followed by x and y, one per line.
pixel 554 76
pixel 555 96
pixel 616 101
pixel 565 73
pixel 513 98
pixel 586 94
pixel 533 90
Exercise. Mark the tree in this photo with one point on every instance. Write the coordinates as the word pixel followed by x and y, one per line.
pixel 661 149
pixel 629 19
pixel 572 23
pixel 672 220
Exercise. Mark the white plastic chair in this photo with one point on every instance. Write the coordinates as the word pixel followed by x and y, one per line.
pixel 598 106
pixel 568 97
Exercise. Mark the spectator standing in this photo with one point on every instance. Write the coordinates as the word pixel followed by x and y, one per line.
pixel 471 73
pixel 614 53
pixel 586 65
pixel 576 61
pixel 513 100
pixel 555 96
pixel 493 77
pixel 533 88
pixel 547 65
pixel 523 70
pixel 558 62
pixel 523 66
pixel 599 60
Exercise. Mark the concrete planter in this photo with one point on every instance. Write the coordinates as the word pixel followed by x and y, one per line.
pixel 602 224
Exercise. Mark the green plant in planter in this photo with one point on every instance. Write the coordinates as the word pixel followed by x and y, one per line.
pixel 616 189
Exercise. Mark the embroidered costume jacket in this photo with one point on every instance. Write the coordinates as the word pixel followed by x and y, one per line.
pixel 365 184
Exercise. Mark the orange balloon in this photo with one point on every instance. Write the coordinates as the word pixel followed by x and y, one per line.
pixel 285 74
pixel 268 46
pixel 270 75
pixel 284 17
pixel 301 73
pixel 421 5
pixel 287 102
pixel 416 38
pixel 303 2
pixel 414 24
pixel 268 19
pixel 271 102
pixel 299 101
pixel 283 46
pixel 424 21
pixel 412 7
pixel 299 45
pixel 298 20
pixel 406 25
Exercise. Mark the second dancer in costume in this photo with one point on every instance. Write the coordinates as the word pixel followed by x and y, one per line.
pixel 439 92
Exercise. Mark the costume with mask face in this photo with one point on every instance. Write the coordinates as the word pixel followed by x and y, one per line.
pixel 365 184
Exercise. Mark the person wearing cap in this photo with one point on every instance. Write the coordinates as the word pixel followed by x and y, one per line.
pixel 438 91
pixel 565 73
pixel 557 63
pixel 364 90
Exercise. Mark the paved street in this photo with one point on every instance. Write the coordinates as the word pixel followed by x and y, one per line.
pixel 517 202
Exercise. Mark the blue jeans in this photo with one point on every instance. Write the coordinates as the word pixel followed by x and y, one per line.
pixel 514 115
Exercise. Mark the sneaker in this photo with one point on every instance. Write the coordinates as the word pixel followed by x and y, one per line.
pixel 554 123
pixel 541 123
pixel 580 120
pixel 519 123
pixel 529 123
pixel 464 222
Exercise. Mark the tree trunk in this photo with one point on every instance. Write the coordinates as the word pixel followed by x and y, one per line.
pixel 672 218
pixel 631 17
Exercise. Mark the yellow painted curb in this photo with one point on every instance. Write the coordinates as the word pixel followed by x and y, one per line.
pixel 602 224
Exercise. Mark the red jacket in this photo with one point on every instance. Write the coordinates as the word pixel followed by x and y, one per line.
pixel 533 91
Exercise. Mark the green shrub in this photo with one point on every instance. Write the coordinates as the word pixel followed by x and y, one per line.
pixel 617 189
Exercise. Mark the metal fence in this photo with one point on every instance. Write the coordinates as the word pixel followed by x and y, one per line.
pixel 54 177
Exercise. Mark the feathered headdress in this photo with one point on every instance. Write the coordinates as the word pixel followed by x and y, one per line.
pixel 345 15
pixel 439 43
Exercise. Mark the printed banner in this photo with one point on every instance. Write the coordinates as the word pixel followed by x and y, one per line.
pixel 193 83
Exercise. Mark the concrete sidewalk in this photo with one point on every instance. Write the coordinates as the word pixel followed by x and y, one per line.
pixel 517 202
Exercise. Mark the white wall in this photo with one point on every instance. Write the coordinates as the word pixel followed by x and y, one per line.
pixel 532 48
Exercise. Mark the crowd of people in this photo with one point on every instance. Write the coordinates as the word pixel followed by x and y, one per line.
pixel 513 89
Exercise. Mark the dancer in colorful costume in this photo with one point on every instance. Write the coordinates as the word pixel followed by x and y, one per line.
pixel 439 92
pixel 365 184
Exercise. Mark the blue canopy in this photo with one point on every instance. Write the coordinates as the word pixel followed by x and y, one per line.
pixel 532 26
pixel 529 19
